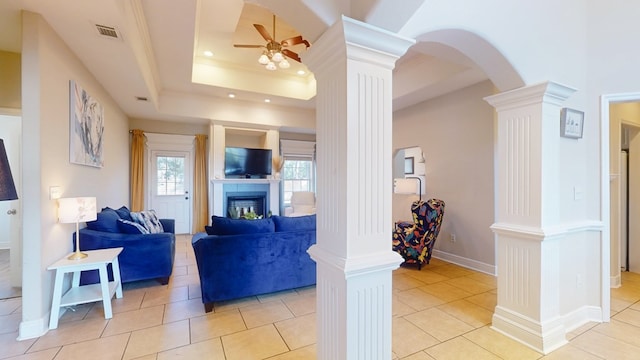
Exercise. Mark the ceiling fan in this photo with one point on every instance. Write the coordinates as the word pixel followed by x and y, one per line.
pixel 275 52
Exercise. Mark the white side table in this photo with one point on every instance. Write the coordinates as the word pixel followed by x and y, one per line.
pixel 104 291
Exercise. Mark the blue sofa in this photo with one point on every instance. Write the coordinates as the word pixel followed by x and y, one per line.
pixel 238 258
pixel 144 256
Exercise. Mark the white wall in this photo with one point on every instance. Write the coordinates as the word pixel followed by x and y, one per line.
pixel 456 133
pixel 47 67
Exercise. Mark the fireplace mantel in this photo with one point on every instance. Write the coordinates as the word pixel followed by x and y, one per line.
pixel 218 185
pixel 245 181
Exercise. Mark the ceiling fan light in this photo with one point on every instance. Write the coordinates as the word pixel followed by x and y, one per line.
pixel 263 59
pixel 277 57
pixel 271 66
pixel 284 64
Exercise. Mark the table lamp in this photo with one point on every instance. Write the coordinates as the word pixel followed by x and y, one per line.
pixel 407 185
pixel 7 187
pixel 77 210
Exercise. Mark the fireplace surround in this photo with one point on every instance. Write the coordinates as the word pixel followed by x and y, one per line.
pixel 222 188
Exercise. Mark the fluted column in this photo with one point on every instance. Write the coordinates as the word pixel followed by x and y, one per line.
pixel 528 230
pixel 353 65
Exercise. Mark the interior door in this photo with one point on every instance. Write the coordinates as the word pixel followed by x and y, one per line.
pixel 624 217
pixel 10 214
pixel 171 182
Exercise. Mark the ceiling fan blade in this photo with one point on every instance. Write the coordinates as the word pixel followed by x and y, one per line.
pixel 247 46
pixel 295 41
pixel 291 55
pixel 265 34
pixel 292 41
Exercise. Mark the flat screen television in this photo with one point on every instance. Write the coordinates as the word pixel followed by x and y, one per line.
pixel 246 162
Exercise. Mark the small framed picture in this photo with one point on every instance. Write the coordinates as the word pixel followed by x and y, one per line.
pixel 408 165
pixel 571 123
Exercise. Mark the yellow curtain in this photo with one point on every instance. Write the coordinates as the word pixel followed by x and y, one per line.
pixel 200 186
pixel 137 173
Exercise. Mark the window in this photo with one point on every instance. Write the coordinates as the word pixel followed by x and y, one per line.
pixel 170 175
pixel 297 175
pixel 299 168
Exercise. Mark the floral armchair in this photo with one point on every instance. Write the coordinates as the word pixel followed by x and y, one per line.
pixel 414 241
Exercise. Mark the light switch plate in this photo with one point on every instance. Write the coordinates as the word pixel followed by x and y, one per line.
pixel 55 192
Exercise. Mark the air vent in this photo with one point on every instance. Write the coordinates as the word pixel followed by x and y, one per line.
pixel 107 31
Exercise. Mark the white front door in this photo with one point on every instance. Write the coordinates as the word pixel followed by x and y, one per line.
pixel 171 187
pixel 10 214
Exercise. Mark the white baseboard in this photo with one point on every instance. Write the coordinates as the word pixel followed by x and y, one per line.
pixel 615 281
pixel 542 337
pixel 581 316
pixel 465 262
pixel 33 328
pixel 4 245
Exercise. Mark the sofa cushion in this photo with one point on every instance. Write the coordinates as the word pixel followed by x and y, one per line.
pixel 107 220
pixel 299 223
pixel 124 213
pixel 131 227
pixel 149 220
pixel 227 226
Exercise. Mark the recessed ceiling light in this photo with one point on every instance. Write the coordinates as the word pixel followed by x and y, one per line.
pixel 267 100
pixel 232 95
pixel 301 72
pixel 208 53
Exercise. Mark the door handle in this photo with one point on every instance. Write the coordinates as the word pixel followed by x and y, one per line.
pixel 11 212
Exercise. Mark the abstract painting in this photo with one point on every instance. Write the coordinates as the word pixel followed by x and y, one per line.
pixel 86 136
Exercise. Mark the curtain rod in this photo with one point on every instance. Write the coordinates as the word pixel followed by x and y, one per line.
pixel 163 133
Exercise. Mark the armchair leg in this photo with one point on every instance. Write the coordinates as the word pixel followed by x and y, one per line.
pixel 208 307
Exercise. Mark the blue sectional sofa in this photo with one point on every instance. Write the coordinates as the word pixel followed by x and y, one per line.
pixel 144 256
pixel 238 258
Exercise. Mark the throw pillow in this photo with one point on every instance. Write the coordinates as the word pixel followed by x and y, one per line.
pixel 107 221
pixel 124 213
pixel 226 226
pixel 298 223
pixel 131 227
pixel 149 220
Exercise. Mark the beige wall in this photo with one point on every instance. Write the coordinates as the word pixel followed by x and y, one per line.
pixel 168 127
pixel 47 67
pixel 10 84
pixel 456 133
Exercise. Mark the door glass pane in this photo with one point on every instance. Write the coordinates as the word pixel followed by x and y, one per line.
pixel 170 174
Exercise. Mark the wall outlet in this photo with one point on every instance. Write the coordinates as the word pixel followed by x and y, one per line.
pixel 452 238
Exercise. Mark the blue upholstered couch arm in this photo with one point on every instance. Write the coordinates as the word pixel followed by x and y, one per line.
pixel 169 225
pixel 144 256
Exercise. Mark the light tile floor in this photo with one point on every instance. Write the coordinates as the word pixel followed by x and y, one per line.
pixel 441 312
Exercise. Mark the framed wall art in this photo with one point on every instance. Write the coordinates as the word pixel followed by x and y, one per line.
pixel 86 127
pixel 571 123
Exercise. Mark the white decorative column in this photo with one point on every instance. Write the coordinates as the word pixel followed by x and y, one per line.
pixel 527 221
pixel 353 65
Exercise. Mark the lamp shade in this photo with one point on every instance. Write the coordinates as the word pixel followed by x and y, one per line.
pixel 405 186
pixel 75 210
pixel 7 186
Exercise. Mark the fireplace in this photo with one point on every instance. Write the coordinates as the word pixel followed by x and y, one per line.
pixel 239 203
pixel 267 189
